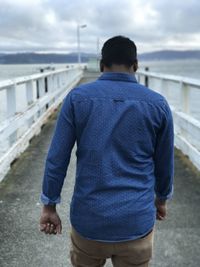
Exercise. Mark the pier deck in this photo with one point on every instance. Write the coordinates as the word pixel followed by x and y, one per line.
pixel 177 239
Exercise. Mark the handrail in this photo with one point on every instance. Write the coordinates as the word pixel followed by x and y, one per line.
pixel 170 77
pixel 183 96
pixel 42 93
pixel 23 79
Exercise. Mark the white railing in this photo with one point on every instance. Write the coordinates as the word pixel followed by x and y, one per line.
pixel 183 95
pixel 25 105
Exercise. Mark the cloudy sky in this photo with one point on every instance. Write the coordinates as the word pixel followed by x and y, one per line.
pixel 51 25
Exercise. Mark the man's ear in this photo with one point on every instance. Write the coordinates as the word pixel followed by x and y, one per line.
pixel 101 65
pixel 135 65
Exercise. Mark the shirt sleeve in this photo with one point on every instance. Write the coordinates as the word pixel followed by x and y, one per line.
pixel 164 156
pixel 59 154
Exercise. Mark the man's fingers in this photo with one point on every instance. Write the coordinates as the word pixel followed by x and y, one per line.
pixel 50 223
pixel 160 217
pixel 42 227
pixel 59 228
pixel 47 228
pixel 54 231
pixel 51 229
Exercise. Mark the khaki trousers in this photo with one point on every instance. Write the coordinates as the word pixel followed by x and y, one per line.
pixel 91 253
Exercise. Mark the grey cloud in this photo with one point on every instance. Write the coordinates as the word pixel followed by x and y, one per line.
pixel 178 16
pixel 51 25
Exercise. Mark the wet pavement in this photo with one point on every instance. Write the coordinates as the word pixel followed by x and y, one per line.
pixel 177 239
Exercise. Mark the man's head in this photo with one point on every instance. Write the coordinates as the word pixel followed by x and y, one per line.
pixel 119 53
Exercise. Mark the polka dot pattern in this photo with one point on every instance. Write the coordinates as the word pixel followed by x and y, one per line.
pixel 116 123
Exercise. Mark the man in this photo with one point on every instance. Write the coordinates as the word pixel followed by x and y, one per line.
pixel 124 174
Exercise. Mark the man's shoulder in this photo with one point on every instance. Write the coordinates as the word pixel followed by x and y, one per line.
pixel 145 94
pixel 151 95
pixel 84 88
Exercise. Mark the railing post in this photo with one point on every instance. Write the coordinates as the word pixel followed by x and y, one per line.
pixel 165 88
pixel 29 98
pixel 67 76
pixel 159 87
pixel 57 81
pixel 46 85
pixel 146 78
pixel 40 92
pixel 185 98
pixel 63 79
pixel 29 92
pixel 11 101
pixel 41 86
pixel 11 111
pixel 50 85
pixel 138 77
pixel 54 83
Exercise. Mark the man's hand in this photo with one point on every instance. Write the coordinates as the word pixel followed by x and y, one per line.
pixel 161 209
pixel 50 222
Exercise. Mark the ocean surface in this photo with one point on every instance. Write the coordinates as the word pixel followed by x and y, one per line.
pixel 8 71
pixel 185 68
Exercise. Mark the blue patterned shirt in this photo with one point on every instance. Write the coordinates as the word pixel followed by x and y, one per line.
pixel 125 156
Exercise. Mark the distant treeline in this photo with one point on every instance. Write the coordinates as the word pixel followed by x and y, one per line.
pixel 40 58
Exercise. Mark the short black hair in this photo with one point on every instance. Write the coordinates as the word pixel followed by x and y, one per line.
pixel 119 50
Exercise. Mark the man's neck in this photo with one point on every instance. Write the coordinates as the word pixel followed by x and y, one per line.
pixel 119 68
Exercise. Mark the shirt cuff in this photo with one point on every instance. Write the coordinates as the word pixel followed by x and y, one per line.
pixel 47 201
pixel 167 197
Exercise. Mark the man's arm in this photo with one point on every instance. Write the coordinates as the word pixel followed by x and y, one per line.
pixel 56 165
pixel 164 162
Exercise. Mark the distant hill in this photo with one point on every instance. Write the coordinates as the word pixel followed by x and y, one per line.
pixel 170 55
pixel 40 58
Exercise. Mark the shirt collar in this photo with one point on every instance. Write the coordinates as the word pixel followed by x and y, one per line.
pixel 118 76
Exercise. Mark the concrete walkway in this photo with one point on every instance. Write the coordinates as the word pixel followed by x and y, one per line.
pixel 177 240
